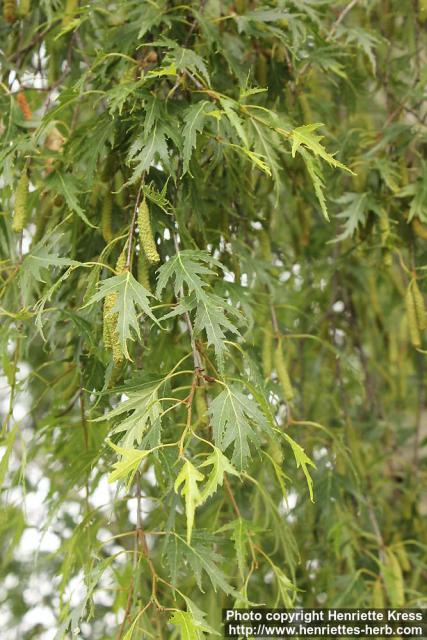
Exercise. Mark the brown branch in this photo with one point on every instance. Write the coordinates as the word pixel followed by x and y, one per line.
pixel 231 496
pixel 340 18
pixel 39 36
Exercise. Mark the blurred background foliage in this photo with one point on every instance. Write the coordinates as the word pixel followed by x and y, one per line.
pixel 280 353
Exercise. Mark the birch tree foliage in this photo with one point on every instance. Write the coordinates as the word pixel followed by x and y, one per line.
pixel 213 221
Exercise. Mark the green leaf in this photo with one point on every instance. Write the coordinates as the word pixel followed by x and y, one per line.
pixel 191 623
pixel 8 444
pixel 266 144
pixel 230 107
pixel 130 296
pixel 188 477
pixel 234 417
pixel 67 186
pixel 185 268
pixel 146 149
pixel 203 558
pixel 240 534
pixel 38 262
pixel 220 465
pixel 41 258
pixel 303 461
pixel 354 214
pixel 144 409
pixel 189 59
pixel 316 175
pixel 418 193
pixel 194 119
pixel 305 136
pixel 187 625
pixel 129 463
pixel 210 317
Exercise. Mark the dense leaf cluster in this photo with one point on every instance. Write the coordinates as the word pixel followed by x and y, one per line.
pixel 212 315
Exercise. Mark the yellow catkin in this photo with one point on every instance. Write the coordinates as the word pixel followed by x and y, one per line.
pixel 21 201
pixel 305 108
pixel 373 295
pixel 393 348
pixel 420 310
pixel 411 317
pixel 119 193
pixel 306 222
pixel 387 257
pixel 419 229
pixel 106 218
pixel 359 180
pixel 240 6
pixel 143 271
pixel 24 8
pixel 378 601
pixel 146 234
pixel 110 333
pixel 70 8
pixel 261 70
pixel 109 169
pixel 9 10
pixel 267 354
pixel 109 303
pixel 422 14
pixel 275 451
pixel 121 261
pixel 282 373
pixel 265 245
pixel 42 216
pixel 384 225
pixel 201 408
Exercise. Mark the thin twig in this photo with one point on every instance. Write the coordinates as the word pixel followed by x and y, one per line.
pixel 331 33
pixel 340 18
pixel 231 496
pixel 39 36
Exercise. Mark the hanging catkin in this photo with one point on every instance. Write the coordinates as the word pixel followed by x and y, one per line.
pixel 42 215
pixel 70 8
pixel 9 10
pixel 24 106
pixel 143 270
pixel 411 317
pixel 261 70
pixel 110 333
pixel 201 407
pixel 119 192
pixel 24 8
pixel 419 228
pixel 420 310
pixel 21 201
pixel 384 225
pixel 378 595
pixel 146 234
pixel 106 218
pixel 265 245
pixel 282 373
pixel 267 354
pixel 121 261
pixel 305 107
